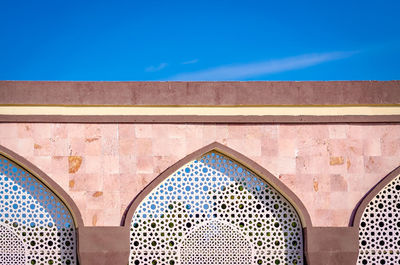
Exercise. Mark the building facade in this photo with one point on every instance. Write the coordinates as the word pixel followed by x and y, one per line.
pixel 199 172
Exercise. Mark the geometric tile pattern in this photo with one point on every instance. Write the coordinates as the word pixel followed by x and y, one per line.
pixel 379 238
pixel 203 245
pixel 209 206
pixel 12 250
pixel 35 225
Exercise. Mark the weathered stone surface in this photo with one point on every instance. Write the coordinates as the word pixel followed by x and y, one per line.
pixel 74 163
pixel 336 160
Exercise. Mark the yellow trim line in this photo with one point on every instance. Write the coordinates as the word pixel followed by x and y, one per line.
pixel 202 111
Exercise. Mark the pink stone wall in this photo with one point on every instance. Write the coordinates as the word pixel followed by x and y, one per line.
pixel 104 166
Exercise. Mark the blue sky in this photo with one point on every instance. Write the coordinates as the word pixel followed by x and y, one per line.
pixel 199 40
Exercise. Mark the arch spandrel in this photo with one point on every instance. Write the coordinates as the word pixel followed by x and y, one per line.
pixel 33 211
pixel 214 186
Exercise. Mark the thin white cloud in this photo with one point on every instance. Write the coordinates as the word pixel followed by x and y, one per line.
pixel 243 71
pixel 153 68
pixel 191 61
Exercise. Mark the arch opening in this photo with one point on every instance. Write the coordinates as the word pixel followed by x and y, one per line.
pixel 214 193
pixel 378 220
pixel 33 212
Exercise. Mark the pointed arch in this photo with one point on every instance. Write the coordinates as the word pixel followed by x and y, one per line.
pixel 216 183
pixel 242 159
pixel 49 182
pixel 377 218
pixel 371 194
pixel 38 210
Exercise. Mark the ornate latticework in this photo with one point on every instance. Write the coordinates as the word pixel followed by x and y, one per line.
pixel 35 224
pixel 203 245
pixel 12 250
pixel 215 211
pixel 379 237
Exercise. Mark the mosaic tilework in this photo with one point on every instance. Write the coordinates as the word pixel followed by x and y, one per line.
pixel 379 236
pixel 30 212
pixel 217 201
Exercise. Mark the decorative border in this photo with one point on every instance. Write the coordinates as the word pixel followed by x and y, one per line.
pixel 200 102
pixel 196 119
